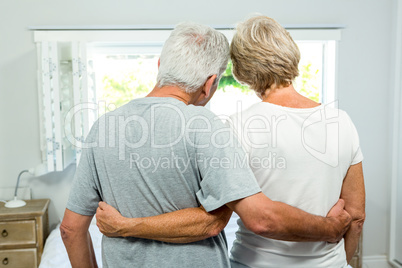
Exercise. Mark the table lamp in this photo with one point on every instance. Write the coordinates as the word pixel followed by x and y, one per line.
pixel 37 171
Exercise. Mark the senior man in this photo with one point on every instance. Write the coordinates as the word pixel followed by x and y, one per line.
pixel 159 154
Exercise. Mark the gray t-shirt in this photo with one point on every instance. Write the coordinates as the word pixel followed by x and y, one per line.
pixel 158 155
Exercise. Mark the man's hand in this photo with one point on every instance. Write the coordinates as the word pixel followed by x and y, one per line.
pixel 109 220
pixel 341 220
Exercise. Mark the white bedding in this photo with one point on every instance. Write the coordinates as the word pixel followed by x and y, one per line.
pixel 55 254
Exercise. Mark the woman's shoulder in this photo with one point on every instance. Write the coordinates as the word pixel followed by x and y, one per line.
pixel 241 116
pixel 334 112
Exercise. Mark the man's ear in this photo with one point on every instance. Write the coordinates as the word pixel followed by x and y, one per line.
pixel 159 63
pixel 209 85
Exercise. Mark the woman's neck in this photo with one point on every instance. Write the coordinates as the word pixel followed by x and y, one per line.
pixel 288 97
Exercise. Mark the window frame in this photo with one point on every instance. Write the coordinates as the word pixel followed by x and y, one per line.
pixel 48 39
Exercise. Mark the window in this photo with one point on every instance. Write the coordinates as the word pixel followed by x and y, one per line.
pixel 83 74
pixel 123 72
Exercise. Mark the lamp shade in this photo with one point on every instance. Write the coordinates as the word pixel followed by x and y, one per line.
pixel 39 170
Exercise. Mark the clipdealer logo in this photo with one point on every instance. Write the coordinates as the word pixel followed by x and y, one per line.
pixel 324 121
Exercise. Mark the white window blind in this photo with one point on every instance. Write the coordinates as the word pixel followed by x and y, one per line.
pixel 66 90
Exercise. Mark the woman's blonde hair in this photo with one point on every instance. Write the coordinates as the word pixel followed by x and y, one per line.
pixel 264 54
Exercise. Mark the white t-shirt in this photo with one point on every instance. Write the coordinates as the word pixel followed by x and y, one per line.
pixel 299 157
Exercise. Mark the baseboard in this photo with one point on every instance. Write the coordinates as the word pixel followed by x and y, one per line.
pixel 376 261
pixel 396 264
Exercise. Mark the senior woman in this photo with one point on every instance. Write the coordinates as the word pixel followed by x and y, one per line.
pixel 311 151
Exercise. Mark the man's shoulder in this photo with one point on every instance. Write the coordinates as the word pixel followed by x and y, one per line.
pixel 190 115
pixel 200 110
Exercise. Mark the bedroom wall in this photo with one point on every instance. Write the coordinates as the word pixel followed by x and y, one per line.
pixel 364 85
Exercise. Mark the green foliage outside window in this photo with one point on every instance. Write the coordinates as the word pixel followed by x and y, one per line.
pixel 228 80
pixel 120 89
pixel 307 83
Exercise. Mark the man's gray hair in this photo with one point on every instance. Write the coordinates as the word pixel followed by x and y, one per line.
pixel 192 53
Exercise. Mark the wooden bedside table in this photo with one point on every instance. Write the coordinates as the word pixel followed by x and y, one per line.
pixel 22 234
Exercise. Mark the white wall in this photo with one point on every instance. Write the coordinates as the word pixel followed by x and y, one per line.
pixel 364 85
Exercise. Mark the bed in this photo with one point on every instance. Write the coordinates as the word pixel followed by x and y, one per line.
pixel 55 254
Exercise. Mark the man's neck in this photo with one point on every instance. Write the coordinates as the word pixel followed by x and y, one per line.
pixel 172 92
